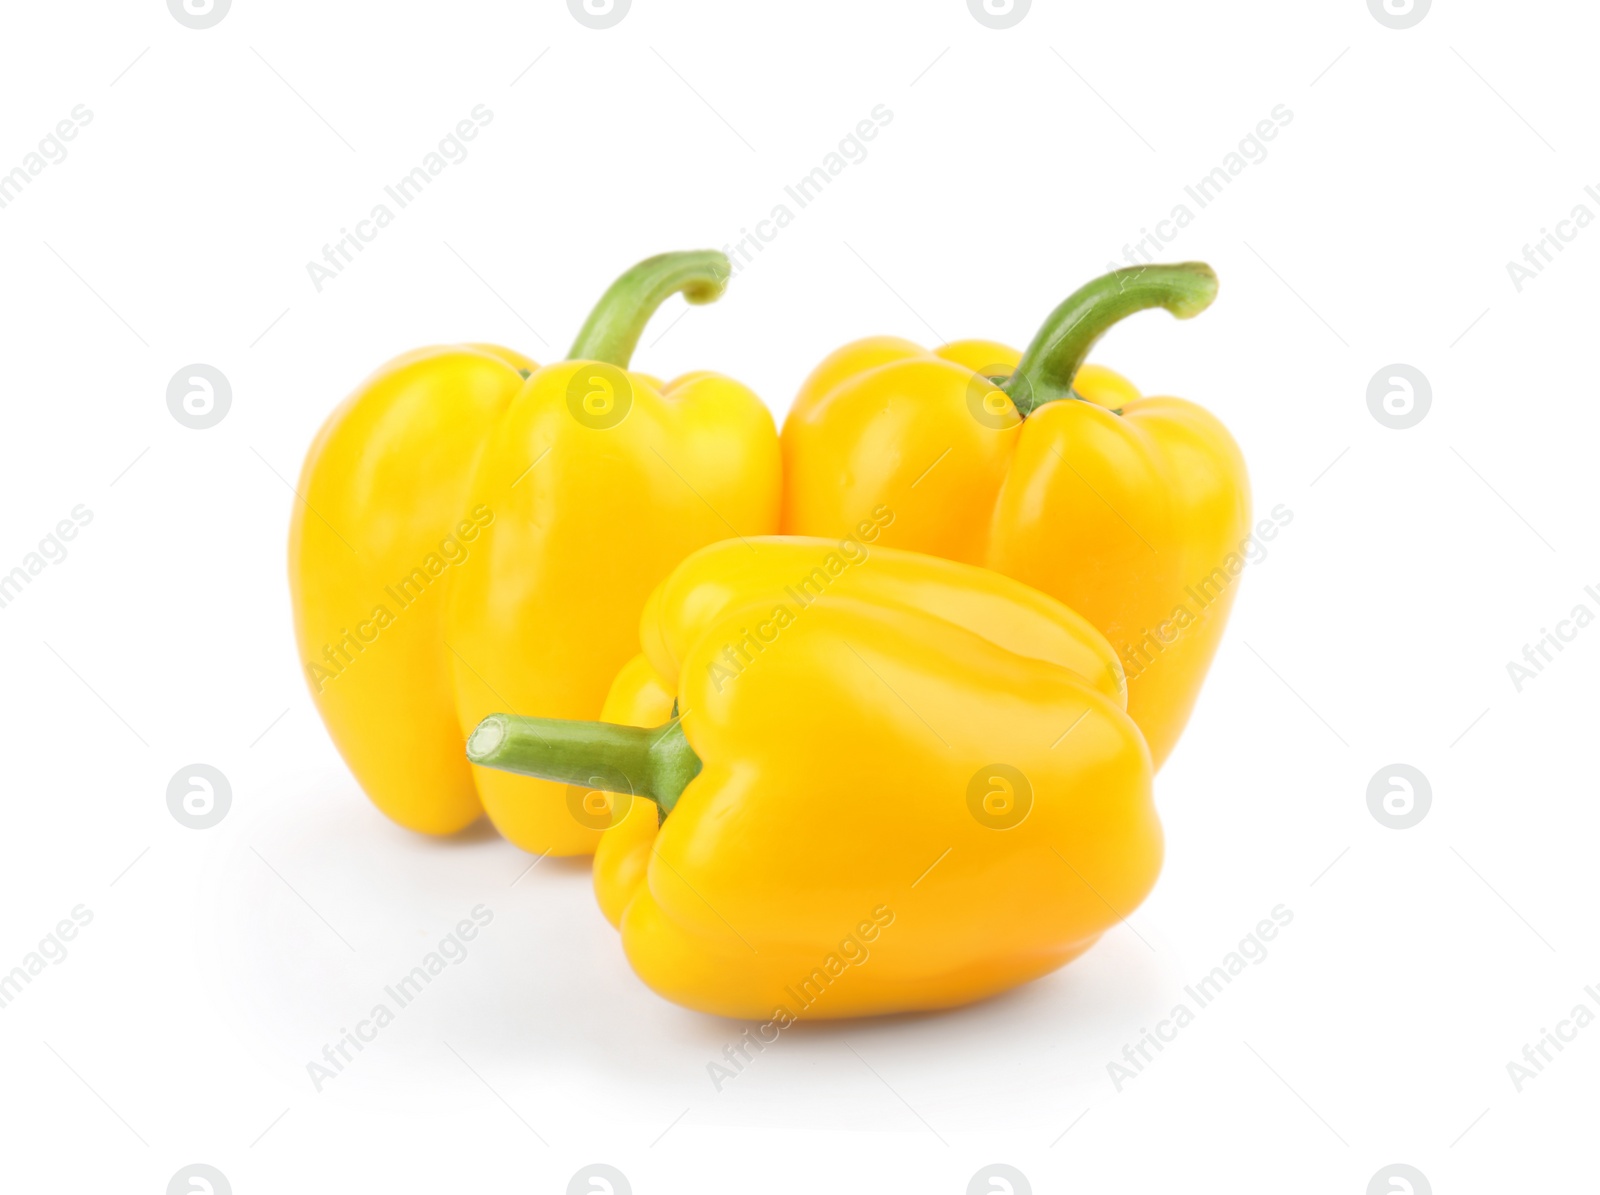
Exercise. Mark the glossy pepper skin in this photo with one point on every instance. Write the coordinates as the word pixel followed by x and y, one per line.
pixel 384 493
pixel 564 497
pixel 894 782
pixel 1131 510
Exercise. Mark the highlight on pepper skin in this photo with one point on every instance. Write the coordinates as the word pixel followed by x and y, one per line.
pixel 1046 468
pixel 903 764
pixel 479 530
pixel 837 752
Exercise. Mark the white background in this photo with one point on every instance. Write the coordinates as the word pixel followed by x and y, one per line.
pixel 1018 162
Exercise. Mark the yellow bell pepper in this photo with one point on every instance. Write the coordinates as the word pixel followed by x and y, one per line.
pixel 890 782
pixel 477 533
pixel 1133 511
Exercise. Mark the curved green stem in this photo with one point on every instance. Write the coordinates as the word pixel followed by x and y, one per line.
pixel 613 328
pixel 656 763
pixel 1063 342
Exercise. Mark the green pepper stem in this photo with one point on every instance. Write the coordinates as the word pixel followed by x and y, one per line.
pixel 655 762
pixel 613 328
pixel 1069 332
